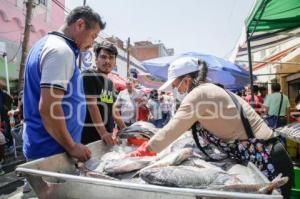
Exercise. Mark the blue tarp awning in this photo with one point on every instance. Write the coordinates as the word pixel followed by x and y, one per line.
pixel 220 71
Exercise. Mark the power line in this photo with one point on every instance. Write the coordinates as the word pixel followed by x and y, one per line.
pixel 63 7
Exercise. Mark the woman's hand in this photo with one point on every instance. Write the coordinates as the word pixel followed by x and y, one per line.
pixel 141 151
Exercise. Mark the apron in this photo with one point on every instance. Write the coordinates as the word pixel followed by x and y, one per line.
pixel 252 149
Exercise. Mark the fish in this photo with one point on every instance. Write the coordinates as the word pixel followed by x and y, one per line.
pixel 197 162
pixel 263 188
pixel 113 155
pixel 183 142
pixel 138 129
pixel 84 171
pixel 243 173
pixel 125 165
pixel 224 164
pixel 181 176
pixel 95 165
pixel 173 158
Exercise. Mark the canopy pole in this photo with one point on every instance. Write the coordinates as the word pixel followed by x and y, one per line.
pixel 250 68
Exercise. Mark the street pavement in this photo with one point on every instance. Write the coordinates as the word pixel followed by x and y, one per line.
pixel 17 194
pixel 11 185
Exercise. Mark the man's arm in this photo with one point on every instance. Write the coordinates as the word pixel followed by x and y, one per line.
pixel 54 122
pixel 98 121
pixel 265 110
pixel 266 105
pixel 117 116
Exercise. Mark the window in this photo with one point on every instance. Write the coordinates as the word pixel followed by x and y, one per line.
pixel 43 2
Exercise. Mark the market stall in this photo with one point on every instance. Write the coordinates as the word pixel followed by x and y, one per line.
pixel 52 180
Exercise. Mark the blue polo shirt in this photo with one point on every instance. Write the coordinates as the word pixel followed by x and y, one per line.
pixel 52 63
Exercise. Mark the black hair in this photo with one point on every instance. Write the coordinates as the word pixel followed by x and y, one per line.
pixel 106 46
pixel 220 85
pixel 154 94
pixel 262 88
pixel 255 89
pixel 88 15
pixel 198 76
pixel 276 87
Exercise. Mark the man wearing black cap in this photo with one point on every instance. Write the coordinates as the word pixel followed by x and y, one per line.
pixel 101 96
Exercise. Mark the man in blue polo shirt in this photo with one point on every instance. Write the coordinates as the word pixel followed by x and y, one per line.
pixel 54 101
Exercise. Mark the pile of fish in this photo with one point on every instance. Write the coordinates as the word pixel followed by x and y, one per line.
pixel 139 129
pixel 180 165
pixel 291 131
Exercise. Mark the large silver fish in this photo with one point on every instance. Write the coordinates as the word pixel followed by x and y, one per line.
pixel 243 173
pixel 138 129
pixel 125 165
pixel 183 176
pixel 84 171
pixel 173 158
pixel 197 162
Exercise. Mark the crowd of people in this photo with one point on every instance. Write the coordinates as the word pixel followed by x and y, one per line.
pixel 65 108
pixel 273 107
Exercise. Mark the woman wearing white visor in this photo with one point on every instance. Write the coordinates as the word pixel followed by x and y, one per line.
pixel 215 115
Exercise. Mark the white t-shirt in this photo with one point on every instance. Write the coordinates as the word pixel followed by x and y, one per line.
pixel 57 63
pixel 127 103
pixel 155 109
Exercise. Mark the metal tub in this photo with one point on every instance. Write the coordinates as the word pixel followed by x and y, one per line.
pixel 54 177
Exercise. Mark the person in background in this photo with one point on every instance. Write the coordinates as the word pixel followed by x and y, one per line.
pixel 166 107
pixel 101 96
pixel 155 116
pixel 273 102
pixel 5 106
pixel 297 101
pixel 143 111
pixel 200 108
pixel 136 83
pixel 263 91
pixel 16 122
pixel 127 102
pixel 258 101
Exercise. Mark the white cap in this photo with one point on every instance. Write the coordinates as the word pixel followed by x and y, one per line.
pixel 179 67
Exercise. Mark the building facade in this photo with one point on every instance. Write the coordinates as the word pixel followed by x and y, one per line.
pixel 48 15
pixel 280 63
pixel 144 50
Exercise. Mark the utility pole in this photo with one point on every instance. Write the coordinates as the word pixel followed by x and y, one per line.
pixel 128 55
pixel 26 37
pixel 84 2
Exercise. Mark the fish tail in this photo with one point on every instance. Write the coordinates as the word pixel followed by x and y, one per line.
pixel 275 184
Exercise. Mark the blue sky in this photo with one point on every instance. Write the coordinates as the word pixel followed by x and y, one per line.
pixel 205 26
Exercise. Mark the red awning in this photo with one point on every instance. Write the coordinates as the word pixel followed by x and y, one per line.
pixel 119 82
